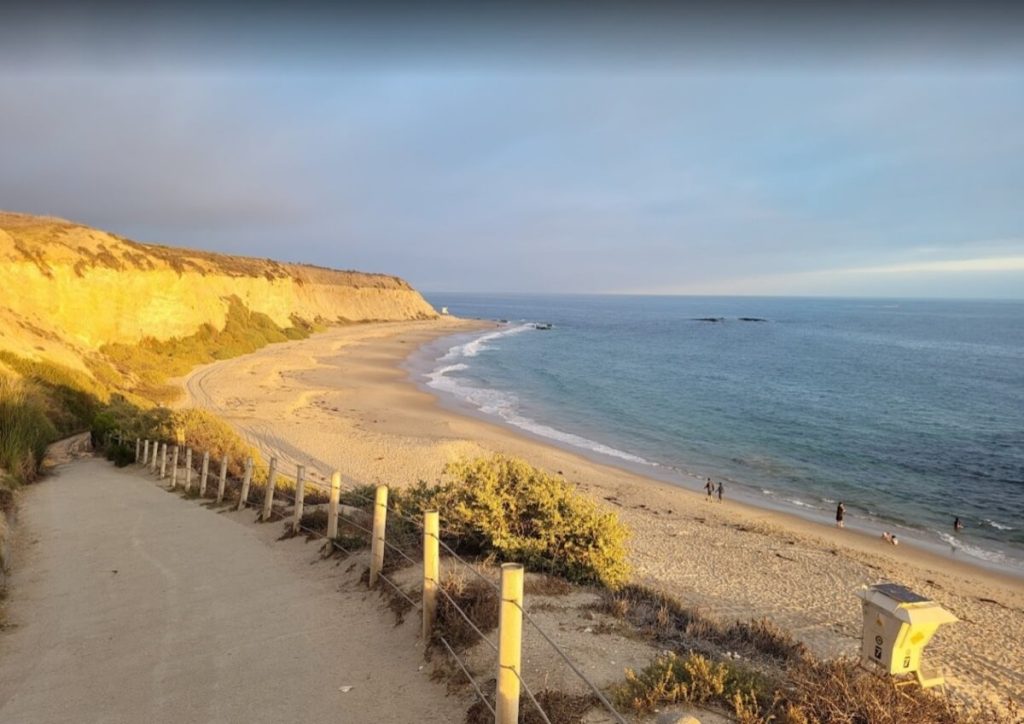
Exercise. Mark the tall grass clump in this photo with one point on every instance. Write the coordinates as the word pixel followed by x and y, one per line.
pixel 25 428
pixel 70 398
pixel 506 507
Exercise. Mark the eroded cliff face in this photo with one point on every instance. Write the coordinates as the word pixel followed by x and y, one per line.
pixel 67 289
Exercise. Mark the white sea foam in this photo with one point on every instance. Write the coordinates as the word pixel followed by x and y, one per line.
pixel 999 526
pixel 973 551
pixel 478 345
pixel 800 503
pixel 504 404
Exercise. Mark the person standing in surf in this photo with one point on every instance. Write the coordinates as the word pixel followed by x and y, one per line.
pixel 721 487
pixel 840 514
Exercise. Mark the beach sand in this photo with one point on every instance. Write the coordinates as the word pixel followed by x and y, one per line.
pixel 341 400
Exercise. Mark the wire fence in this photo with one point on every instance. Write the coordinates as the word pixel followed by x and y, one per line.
pixel 154 456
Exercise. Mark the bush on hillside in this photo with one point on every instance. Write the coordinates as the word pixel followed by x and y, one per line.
pixel 121 454
pixel 152 361
pixel 204 431
pixel 505 506
pixel 25 428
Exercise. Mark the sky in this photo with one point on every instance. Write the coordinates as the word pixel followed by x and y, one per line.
pixel 585 148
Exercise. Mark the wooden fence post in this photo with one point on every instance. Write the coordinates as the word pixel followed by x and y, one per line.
pixel 155 454
pixel 510 642
pixel 268 494
pixel 243 497
pixel 188 469
pixel 138 449
pixel 332 506
pixel 431 571
pixel 300 497
pixel 222 481
pixel 145 454
pixel 380 521
pixel 163 461
pixel 204 473
pixel 174 467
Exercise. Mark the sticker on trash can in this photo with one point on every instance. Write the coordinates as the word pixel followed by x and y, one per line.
pixel 878 647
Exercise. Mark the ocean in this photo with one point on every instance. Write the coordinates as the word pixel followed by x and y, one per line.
pixel 911 412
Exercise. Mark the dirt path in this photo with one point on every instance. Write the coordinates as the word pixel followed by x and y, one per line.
pixel 130 604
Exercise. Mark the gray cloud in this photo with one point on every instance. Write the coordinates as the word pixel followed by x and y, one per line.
pixel 554 181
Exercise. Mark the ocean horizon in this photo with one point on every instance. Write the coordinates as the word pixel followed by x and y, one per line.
pixel 909 411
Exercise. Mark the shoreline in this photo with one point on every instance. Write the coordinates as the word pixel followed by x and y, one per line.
pixel 345 400
pixel 420 361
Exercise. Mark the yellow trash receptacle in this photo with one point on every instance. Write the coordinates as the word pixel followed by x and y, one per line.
pixel 898 624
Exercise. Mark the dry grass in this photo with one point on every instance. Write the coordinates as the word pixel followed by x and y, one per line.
pixel 674 625
pixel 560 708
pixel 840 691
pixel 546 585
pixel 477 599
pixel 799 690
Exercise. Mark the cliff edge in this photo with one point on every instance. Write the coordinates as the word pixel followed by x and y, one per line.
pixel 68 289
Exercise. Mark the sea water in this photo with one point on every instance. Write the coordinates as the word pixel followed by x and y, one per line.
pixel 910 412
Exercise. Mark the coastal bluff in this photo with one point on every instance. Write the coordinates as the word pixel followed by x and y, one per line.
pixel 69 289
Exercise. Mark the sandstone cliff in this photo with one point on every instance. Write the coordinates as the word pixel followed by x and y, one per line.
pixel 67 289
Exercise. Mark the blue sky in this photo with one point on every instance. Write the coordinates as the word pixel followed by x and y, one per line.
pixel 872 172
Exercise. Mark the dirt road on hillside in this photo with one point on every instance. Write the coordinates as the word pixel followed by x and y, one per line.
pixel 131 604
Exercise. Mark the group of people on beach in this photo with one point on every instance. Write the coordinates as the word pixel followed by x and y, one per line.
pixel 886 535
pixel 841 514
pixel 710 487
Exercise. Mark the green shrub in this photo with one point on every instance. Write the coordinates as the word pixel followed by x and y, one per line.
pixel 504 506
pixel 25 428
pixel 121 454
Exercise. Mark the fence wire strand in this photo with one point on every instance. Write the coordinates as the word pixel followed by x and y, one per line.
pixel 469 676
pixel 529 694
pixel 311 482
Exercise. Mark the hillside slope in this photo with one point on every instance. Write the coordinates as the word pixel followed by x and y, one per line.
pixel 68 289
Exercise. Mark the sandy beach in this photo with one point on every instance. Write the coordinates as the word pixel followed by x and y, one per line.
pixel 342 400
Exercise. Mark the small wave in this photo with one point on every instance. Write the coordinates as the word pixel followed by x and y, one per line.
pixel 767 492
pixel 800 503
pixel 999 526
pixel 478 345
pixel 973 551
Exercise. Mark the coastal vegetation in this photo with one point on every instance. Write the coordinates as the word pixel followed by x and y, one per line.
pixel 761 674
pixel 26 428
pixel 41 400
pixel 507 509
pixel 147 365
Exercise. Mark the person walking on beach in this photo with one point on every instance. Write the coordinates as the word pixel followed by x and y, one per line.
pixel 840 513
pixel 720 489
pixel 710 487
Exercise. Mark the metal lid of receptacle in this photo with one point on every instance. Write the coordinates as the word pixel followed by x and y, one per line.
pixel 899 593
